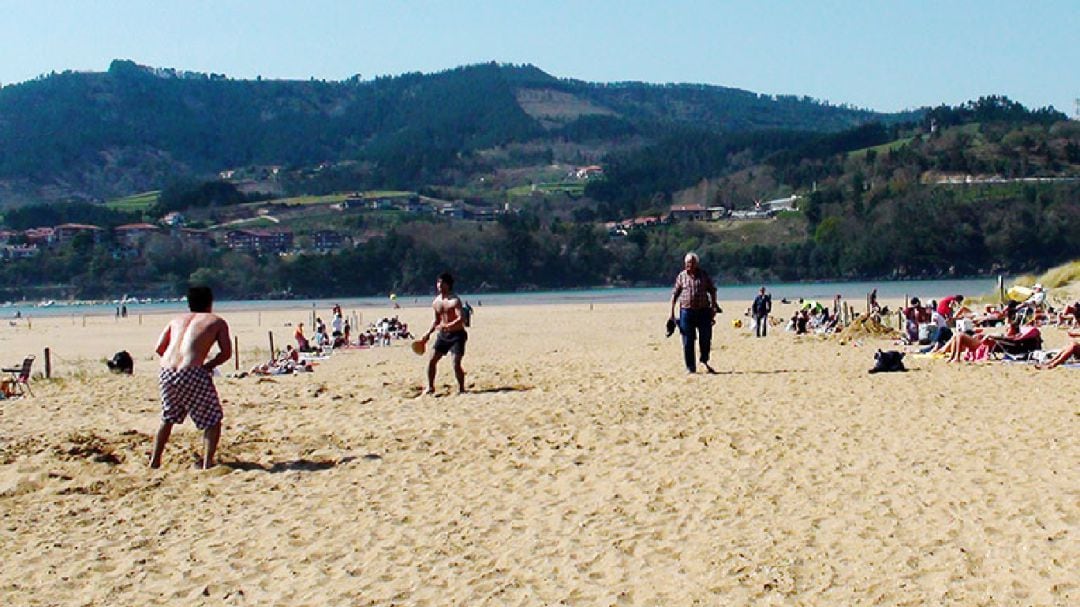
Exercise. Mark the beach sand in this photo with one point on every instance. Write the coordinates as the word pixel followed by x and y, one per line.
pixel 585 468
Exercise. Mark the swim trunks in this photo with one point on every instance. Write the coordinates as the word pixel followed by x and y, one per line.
pixel 451 342
pixel 189 391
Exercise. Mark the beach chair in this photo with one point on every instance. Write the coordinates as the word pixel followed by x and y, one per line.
pixel 20 376
pixel 1021 346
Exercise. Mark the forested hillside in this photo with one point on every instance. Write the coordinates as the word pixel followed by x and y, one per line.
pixel 134 128
pixel 988 186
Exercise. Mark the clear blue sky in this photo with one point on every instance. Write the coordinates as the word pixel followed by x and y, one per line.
pixel 877 54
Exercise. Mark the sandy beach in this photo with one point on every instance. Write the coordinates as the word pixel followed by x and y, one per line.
pixel 585 468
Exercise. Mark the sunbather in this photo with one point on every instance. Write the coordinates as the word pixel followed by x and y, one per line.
pixel 961 343
pixel 1069 351
pixel 1070 316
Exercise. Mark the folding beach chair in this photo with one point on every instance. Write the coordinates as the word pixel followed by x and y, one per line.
pixel 20 376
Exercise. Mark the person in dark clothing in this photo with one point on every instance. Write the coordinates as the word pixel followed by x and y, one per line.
pixel 761 308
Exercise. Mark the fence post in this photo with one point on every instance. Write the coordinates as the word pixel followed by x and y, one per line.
pixel 48 363
pixel 273 355
pixel 236 352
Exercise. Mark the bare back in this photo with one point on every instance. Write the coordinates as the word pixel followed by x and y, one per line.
pixel 187 340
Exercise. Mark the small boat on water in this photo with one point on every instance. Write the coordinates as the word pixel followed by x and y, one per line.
pixel 46 303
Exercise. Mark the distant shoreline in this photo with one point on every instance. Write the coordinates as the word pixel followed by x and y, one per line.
pixel 851 291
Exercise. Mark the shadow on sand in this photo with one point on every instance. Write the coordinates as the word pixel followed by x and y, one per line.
pixel 498 389
pixel 762 372
pixel 301 465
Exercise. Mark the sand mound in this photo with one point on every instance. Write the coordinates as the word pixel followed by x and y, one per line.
pixel 868 326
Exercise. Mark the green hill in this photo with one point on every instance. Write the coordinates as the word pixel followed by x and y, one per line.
pixel 134 128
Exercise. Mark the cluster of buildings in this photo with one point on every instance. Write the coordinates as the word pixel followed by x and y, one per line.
pixel 457 209
pixel 695 212
pixel 130 238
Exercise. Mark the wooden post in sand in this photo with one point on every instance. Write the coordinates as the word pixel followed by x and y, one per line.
pixel 271 334
pixel 48 363
pixel 1001 289
pixel 84 320
pixel 259 321
pixel 236 352
pixel 140 320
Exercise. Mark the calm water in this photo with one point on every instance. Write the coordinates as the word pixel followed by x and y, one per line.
pixel 824 291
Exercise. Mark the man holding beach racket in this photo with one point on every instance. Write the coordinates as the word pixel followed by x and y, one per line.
pixel 450 323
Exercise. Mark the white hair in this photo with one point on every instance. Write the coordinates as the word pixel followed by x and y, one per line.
pixel 691 255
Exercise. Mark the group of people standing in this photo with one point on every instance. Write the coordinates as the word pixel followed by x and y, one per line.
pixel 186 380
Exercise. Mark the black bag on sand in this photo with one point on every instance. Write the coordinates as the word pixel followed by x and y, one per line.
pixel 121 362
pixel 888 361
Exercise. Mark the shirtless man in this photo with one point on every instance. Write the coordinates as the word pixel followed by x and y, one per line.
pixel 450 323
pixel 186 378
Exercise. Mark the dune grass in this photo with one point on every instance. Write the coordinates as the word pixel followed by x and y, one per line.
pixel 1054 278
pixel 1061 275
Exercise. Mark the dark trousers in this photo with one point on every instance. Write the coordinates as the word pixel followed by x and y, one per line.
pixel 695 324
pixel 761 324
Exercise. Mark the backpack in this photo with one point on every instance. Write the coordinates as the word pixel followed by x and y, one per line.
pixel 466 314
pixel 121 362
pixel 888 361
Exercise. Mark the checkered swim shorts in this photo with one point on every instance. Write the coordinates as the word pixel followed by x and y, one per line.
pixel 189 390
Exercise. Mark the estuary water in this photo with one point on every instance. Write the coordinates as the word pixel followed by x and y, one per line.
pixel 822 291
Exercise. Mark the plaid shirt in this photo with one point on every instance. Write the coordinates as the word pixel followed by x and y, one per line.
pixel 693 292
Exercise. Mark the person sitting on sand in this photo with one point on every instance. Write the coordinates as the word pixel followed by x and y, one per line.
pixel 802 319
pixel 941 333
pixel 320 339
pixel 1069 351
pixel 1070 316
pixel 911 320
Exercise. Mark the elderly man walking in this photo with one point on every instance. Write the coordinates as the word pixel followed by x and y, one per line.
pixel 695 294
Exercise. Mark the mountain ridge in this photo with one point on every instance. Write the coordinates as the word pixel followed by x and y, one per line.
pixel 93 135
